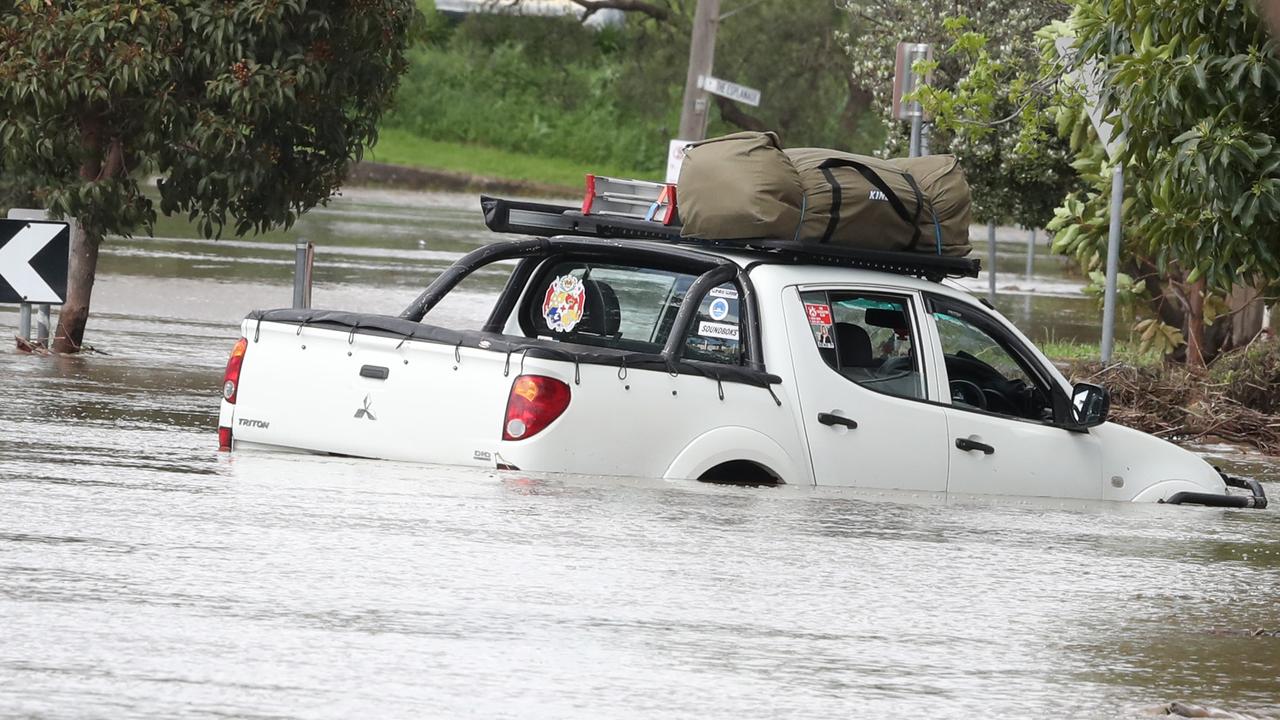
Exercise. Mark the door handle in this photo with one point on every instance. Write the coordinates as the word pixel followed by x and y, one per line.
pixel 829 419
pixel 377 372
pixel 967 445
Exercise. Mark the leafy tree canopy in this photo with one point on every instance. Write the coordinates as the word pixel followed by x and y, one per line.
pixel 979 46
pixel 249 111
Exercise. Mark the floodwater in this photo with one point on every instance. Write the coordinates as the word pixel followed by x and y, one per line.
pixel 143 574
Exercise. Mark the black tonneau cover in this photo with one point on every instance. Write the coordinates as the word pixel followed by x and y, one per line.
pixel 410 331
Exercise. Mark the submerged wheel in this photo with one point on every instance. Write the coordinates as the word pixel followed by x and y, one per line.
pixel 741 472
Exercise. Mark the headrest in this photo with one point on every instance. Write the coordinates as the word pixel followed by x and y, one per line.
pixel 601 313
pixel 853 345
pixel 892 319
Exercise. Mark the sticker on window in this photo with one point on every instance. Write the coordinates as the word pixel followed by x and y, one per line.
pixel 729 293
pixel 818 314
pixel 823 334
pixel 564 304
pixel 719 309
pixel 722 331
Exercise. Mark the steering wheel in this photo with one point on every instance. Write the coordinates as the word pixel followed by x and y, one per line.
pixel 968 393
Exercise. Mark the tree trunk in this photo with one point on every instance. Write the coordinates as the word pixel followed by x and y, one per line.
pixel 74 315
pixel 1195 325
pixel 83 266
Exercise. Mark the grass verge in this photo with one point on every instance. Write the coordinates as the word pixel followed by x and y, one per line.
pixel 1071 351
pixel 399 147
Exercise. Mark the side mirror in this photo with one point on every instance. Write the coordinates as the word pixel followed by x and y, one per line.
pixel 1089 405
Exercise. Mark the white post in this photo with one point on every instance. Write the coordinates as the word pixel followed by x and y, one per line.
pixel 1031 254
pixel 42 325
pixel 24 321
pixel 913 150
pixel 303 257
pixel 1113 263
pixel 991 261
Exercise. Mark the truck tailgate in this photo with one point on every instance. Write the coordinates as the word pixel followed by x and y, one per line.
pixel 329 390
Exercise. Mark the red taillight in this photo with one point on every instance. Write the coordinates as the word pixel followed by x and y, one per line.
pixel 231 378
pixel 535 402
pixel 224 438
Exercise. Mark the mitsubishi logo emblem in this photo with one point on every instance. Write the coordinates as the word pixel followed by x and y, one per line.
pixel 366 411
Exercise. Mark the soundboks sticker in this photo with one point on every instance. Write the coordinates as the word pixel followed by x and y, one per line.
pixel 722 331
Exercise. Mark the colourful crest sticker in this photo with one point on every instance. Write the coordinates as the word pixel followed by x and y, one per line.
pixel 564 304
pixel 719 309
pixel 818 314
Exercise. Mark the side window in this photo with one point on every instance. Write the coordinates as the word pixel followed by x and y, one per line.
pixel 715 335
pixel 867 338
pixel 983 369
pixel 629 308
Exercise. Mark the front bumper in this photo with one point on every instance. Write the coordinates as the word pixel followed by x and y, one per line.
pixel 1256 498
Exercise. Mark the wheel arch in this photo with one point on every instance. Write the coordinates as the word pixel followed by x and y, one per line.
pixel 726 445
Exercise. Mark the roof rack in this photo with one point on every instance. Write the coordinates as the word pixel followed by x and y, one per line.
pixel 547 220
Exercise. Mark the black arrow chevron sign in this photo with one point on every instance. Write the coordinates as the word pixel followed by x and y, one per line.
pixel 33 261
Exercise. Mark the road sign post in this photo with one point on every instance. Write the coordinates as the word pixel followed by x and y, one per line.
pixel 42 325
pixel 24 322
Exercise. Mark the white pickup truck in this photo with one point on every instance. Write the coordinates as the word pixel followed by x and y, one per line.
pixel 770 363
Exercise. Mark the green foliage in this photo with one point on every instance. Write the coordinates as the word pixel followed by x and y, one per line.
pixel 1194 87
pixel 544 86
pixel 979 92
pixel 245 109
pixel 1158 337
pixel 611 96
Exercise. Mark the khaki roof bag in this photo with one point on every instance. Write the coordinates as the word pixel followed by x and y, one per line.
pixel 738 187
pixel 913 204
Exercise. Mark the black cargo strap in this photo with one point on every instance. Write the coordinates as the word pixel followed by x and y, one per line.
pixel 876 181
pixel 915 221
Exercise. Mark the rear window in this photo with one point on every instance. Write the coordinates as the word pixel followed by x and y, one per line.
pixel 630 308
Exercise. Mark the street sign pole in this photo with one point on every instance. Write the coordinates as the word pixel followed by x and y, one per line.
pixel 1090 79
pixel 702 52
pixel 1113 263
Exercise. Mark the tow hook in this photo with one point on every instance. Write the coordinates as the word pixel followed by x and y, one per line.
pixel 1256 499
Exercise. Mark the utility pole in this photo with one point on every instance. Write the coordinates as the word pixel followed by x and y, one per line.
pixel 702 53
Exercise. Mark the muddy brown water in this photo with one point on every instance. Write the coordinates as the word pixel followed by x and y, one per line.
pixel 143 574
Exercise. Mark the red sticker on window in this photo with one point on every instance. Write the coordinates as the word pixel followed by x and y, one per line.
pixel 818 314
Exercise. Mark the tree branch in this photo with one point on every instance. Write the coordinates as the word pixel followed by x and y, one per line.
pixel 730 111
pixel 657 12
